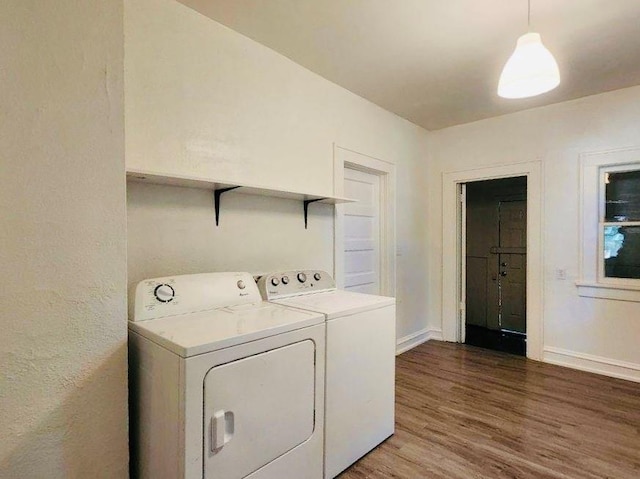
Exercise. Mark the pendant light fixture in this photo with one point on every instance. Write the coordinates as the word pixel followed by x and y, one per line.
pixel 531 70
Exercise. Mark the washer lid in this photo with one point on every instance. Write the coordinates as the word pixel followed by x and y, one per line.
pixel 335 304
pixel 197 333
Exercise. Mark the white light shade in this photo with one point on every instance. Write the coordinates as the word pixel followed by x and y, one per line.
pixel 531 70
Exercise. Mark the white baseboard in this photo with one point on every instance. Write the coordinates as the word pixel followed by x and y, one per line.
pixel 414 339
pixel 592 364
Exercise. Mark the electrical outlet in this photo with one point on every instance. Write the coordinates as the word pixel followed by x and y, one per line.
pixel 561 274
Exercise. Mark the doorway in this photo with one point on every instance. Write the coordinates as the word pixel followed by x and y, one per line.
pixel 453 251
pixel 495 272
pixel 364 239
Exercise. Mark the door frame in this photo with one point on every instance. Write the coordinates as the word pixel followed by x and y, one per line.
pixel 453 272
pixel 386 171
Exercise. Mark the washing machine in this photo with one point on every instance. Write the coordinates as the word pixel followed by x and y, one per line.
pixel 360 360
pixel 222 384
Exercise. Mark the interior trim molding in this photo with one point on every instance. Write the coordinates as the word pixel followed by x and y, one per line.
pixel 452 250
pixel 346 158
pixel 412 340
pixel 617 292
pixel 593 364
pixel 591 282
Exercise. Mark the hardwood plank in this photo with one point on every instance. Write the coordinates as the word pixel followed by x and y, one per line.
pixel 464 412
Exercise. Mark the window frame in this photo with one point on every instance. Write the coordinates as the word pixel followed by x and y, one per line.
pixel 592 281
pixel 602 223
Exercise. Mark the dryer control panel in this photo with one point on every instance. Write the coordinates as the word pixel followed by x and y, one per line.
pixel 191 293
pixel 294 283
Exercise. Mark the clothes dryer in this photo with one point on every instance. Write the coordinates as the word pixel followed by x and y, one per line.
pixel 224 385
pixel 360 360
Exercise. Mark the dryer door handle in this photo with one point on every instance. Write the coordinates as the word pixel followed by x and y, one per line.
pixel 222 426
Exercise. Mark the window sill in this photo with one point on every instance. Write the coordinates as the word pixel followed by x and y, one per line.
pixel 617 292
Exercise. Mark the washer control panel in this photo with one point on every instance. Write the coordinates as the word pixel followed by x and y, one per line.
pixel 293 283
pixel 173 295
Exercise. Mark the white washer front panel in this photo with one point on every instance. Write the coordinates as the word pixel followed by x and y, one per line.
pixel 336 303
pixel 258 408
pixel 360 386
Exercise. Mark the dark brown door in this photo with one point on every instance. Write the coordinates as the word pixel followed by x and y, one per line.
pixel 496 222
pixel 512 259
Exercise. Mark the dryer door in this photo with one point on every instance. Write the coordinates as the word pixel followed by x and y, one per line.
pixel 258 408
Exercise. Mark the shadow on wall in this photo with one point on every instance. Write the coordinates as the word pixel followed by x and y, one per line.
pixel 171 230
pixel 79 439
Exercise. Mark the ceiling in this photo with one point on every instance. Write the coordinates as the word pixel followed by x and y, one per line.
pixel 437 62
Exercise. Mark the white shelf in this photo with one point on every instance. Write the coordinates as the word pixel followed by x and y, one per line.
pixel 195 182
pixel 220 187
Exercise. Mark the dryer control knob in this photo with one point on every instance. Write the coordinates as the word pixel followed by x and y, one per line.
pixel 302 277
pixel 275 281
pixel 317 276
pixel 164 293
pixel 285 280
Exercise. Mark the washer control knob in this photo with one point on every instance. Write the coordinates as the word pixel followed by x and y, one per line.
pixel 317 276
pixel 164 293
pixel 241 284
pixel 302 277
pixel 285 280
pixel 275 281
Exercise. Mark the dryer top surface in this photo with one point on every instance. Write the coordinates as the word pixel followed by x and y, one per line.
pixel 196 333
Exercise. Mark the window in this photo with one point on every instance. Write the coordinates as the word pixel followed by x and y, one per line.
pixel 620 223
pixel 610 214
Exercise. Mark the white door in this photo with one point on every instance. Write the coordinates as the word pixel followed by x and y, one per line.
pixel 362 232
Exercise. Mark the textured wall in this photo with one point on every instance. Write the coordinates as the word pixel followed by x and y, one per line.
pixel 204 100
pixel 603 329
pixel 62 236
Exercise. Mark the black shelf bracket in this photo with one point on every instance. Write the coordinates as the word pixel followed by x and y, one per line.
pixel 216 200
pixel 306 204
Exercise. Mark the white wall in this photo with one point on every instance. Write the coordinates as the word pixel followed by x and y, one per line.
pixel 63 393
pixel 574 326
pixel 204 100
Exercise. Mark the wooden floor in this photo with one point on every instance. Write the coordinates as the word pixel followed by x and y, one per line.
pixel 465 412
